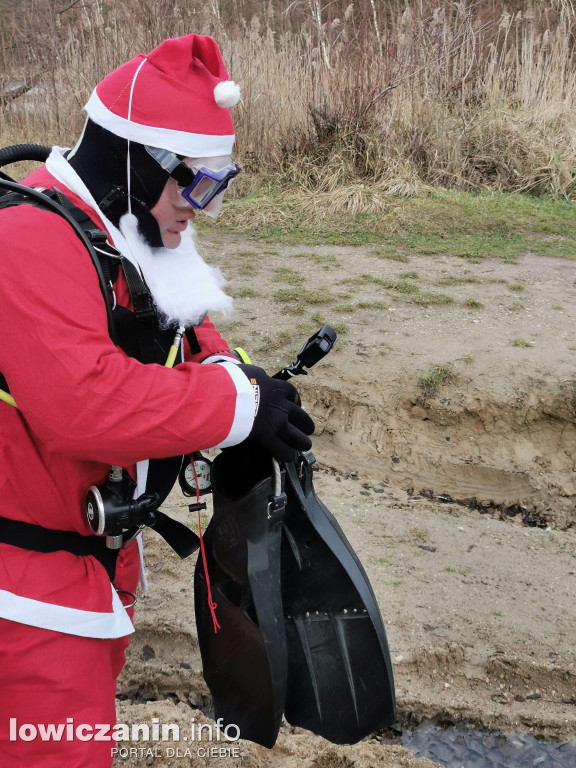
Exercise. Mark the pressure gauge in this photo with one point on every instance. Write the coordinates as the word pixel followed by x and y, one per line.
pixel 195 474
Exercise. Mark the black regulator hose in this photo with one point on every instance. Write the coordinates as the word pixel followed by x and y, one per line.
pixel 17 152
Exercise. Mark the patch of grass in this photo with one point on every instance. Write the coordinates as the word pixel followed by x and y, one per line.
pixel 366 279
pixel 305 328
pixel 340 328
pixel 522 343
pixel 438 375
pixel 417 296
pixel 302 296
pixel 409 276
pixel 422 534
pixel 318 319
pixel 453 280
pixel 426 299
pixel 315 256
pixel 387 252
pixel 372 305
pixel 518 287
pixel 473 303
pixel 287 275
pixel 406 287
pixel 243 292
pixel 516 307
pixel 275 342
pixel 248 269
pixel 243 254
pixel 472 226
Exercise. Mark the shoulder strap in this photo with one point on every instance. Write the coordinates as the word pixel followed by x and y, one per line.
pixel 42 200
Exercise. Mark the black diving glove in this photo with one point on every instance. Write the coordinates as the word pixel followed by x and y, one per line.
pixel 280 426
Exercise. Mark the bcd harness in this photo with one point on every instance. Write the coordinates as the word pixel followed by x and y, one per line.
pixel 139 335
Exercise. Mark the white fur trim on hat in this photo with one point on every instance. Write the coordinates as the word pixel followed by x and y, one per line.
pixel 182 142
pixel 227 93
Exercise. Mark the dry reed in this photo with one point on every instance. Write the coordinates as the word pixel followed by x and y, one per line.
pixel 401 96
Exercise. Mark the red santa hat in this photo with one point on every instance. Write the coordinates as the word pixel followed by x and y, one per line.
pixel 177 97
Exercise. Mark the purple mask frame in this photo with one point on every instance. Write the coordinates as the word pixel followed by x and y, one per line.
pixel 207 183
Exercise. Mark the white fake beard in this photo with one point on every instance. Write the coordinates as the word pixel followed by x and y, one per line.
pixel 183 286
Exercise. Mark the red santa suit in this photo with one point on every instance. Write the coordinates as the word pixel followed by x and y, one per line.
pixel 83 405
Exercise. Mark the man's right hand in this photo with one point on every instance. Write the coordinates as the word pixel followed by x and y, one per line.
pixel 280 426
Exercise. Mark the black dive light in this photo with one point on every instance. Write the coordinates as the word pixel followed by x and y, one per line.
pixel 312 352
pixel 111 508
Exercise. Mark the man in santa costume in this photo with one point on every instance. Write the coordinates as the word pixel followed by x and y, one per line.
pixel 155 150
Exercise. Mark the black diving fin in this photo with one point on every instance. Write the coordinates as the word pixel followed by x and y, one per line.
pixel 340 683
pixel 245 662
pixel 301 632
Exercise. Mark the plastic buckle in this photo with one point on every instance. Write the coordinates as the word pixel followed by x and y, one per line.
pixel 276 506
pixel 144 306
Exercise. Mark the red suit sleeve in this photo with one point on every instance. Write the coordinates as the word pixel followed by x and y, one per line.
pixel 76 391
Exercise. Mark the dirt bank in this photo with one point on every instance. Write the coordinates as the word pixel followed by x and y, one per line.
pixel 446 448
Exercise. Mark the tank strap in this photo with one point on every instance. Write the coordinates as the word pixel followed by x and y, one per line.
pixel 36 538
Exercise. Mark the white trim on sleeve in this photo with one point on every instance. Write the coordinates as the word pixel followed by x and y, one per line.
pixel 222 359
pixel 245 406
pixel 70 621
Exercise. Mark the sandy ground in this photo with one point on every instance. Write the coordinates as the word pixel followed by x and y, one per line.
pixel 459 500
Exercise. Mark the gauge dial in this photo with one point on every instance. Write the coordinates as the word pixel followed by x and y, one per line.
pixel 203 469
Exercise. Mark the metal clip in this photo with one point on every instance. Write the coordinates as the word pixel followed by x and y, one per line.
pixel 125 592
pixel 276 506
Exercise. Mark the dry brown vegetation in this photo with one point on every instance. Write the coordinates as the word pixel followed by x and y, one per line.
pixel 399 95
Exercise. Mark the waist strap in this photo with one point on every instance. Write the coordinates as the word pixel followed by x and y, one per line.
pixel 39 539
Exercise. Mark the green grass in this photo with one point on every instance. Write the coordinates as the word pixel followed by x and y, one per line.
pixel 438 375
pixel 302 296
pixel 387 252
pixel 427 299
pixel 287 275
pixel 370 305
pixel 248 269
pixel 453 280
pixel 243 292
pixel 407 289
pixel 471 226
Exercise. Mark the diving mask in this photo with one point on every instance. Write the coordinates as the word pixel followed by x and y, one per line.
pixel 197 184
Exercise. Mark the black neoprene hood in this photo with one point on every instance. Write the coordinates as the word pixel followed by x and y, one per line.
pixel 100 159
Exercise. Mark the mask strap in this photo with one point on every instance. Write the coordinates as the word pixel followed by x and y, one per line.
pixel 128 166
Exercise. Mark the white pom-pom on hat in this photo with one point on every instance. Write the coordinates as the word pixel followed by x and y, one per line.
pixel 227 93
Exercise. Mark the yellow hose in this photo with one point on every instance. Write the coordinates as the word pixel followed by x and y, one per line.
pixel 171 359
pixel 171 356
pixel 5 397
